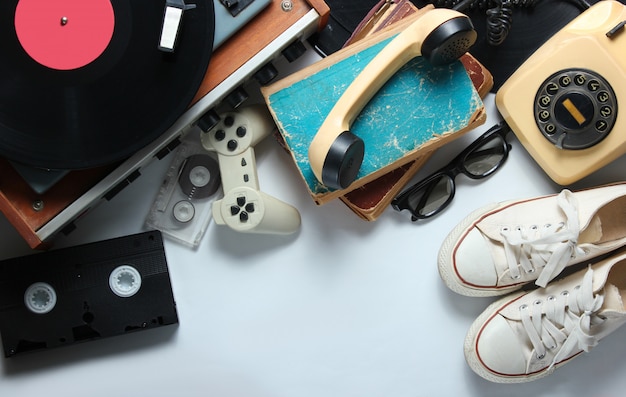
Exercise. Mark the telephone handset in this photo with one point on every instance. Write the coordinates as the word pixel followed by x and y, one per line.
pixel 562 103
pixel 440 35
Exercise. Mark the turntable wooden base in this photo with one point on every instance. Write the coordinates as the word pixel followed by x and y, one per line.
pixel 28 211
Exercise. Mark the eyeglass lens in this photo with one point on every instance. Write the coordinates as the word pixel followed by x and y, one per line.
pixel 478 163
pixel 433 196
pixel 486 158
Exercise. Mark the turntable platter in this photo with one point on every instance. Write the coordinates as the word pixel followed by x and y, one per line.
pixel 87 85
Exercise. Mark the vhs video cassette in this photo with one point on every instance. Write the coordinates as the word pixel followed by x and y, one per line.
pixel 182 207
pixel 84 293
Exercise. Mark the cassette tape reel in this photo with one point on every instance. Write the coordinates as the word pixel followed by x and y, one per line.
pixel 84 293
pixel 182 207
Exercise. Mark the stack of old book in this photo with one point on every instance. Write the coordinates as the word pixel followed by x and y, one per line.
pixel 417 111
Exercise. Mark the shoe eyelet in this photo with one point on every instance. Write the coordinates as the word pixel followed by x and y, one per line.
pixel 538 302
pixel 530 271
pixel 534 227
pixel 551 298
pixel 547 225
pixel 565 293
pixel 540 356
pixel 552 347
pixel 523 307
pixel 505 229
pixel 516 277
pixel 576 288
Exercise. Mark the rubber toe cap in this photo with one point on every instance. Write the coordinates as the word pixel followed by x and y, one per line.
pixel 473 261
pixel 499 349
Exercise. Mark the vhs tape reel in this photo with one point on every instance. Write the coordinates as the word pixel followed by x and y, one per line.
pixel 84 293
pixel 182 207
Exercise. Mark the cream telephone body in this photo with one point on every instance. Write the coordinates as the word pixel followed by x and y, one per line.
pixel 563 102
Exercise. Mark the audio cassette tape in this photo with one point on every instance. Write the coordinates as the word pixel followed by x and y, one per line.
pixel 182 207
pixel 84 293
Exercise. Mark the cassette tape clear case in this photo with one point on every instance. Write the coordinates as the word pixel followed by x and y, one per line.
pixel 183 205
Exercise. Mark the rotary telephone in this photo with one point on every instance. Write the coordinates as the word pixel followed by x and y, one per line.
pixel 562 103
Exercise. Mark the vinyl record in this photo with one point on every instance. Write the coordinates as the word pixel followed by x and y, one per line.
pixel 84 84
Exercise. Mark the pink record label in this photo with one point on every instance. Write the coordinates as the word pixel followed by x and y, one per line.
pixel 64 34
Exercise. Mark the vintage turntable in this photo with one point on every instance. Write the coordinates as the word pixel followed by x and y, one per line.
pixel 74 123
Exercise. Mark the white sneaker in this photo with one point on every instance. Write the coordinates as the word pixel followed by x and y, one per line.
pixel 527 335
pixel 499 248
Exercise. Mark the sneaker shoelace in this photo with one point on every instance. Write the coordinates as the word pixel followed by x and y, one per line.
pixel 563 320
pixel 545 249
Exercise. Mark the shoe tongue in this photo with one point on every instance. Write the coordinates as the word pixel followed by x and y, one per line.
pixel 601 272
pixel 613 300
pixel 592 232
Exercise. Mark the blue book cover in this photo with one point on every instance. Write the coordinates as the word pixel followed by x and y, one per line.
pixel 420 107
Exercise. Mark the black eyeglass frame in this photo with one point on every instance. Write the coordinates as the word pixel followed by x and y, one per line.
pixel 455 167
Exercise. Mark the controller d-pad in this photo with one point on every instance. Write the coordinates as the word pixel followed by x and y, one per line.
pixel 243 209
pixel 575 108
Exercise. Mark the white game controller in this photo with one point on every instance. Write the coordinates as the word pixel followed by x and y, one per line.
pixel 244 207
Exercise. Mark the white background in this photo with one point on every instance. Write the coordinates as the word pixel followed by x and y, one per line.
pixel 343 308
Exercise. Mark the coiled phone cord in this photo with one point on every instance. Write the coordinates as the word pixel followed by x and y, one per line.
pixel 499 13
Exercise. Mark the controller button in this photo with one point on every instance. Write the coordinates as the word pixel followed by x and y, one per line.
pixel 220 135
pixel 241 131
pixel 242 209
pixel 229 121
pixel 232 144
